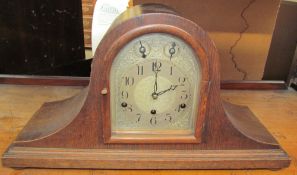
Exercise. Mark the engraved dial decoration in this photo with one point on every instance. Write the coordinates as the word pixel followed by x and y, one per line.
pixel 154 83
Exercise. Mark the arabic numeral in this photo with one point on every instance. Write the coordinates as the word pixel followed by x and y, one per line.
pixel 124 94
pixel 168 117
pixel 182 79
pixel 153 121
pixel 139 70
pixel 184 96
pixel 129 81
pixel 156 66
pixel 138 117
pixel 128 108
pixel 178 109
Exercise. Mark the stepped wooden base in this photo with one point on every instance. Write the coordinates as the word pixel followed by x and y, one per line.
pixel 125 157
pixel 145 159
pixel 47 155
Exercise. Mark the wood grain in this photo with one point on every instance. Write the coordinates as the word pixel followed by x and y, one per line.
pixel 84 81
pixel 44 80
pixel 145 159
pixel 18 103
pixel 253 85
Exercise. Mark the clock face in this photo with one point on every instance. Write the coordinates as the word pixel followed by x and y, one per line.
pixel 154 86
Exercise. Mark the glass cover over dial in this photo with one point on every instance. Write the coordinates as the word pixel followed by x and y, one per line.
pixel 154 82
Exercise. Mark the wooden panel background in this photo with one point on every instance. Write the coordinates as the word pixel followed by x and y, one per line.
pixel 241 30
pixel 283 44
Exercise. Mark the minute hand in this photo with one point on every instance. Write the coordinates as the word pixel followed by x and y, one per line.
pixel 172 87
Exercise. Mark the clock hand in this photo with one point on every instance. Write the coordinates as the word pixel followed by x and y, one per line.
pixel 172 87
pixel 154 94
pixel 156 82
pixel 156 68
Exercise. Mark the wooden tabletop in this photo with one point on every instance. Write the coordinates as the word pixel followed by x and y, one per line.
pixel 276 109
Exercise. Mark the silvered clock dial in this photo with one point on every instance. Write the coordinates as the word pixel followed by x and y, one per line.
pixel 153 80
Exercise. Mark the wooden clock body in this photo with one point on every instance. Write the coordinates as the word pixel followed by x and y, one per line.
pixel 76 132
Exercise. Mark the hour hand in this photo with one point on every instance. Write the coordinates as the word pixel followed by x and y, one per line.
pixel 156 82
pixel 172 87
pixel 154 94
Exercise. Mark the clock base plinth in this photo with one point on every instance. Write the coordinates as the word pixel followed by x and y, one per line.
pixel 28 151
pixel 145 159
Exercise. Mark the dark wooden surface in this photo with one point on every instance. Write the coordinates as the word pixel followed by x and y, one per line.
pixel 44 80
pixel 87 130
pixel 292 77
pixel 253 85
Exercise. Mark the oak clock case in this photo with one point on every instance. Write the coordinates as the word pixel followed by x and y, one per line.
pixel 153 102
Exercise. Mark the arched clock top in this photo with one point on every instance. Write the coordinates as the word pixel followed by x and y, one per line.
pixel 170 31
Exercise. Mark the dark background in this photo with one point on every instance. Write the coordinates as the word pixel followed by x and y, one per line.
pixel 41 37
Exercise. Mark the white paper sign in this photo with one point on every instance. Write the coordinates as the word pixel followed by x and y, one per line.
pixel 105 12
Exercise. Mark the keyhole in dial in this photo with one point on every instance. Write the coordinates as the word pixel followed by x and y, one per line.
pixel 153 111
pixel 172 50
pixel 142 50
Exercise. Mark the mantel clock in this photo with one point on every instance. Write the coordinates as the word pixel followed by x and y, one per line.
pixel 153 102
